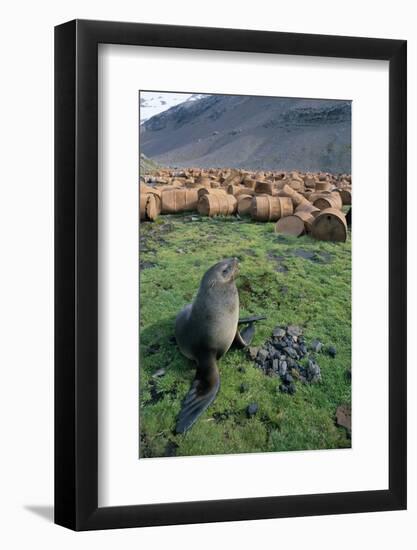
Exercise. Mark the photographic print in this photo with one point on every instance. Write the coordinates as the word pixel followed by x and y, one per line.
pixel 245 274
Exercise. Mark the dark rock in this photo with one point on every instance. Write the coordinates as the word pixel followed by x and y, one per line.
pixel 262 355
pixel 278 332
pixel 287 378
pixel 251 410
pixel 275 365
pixel 294 330
pixel 316 346
pixel 291 352
pixel 243 388
pixel 283 388
pixel 313 372
pixel 302 349
pixel 241 369
pixel 291 362
pixel 282 368
pixel 291 389
pixel 279 344
pixel 331 350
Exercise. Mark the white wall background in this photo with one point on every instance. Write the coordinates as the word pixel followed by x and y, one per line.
pixel 26 291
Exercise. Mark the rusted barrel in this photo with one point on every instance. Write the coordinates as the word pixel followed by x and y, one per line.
pixel 217 205
pixel 234 178
pixel 249 182
pixel 203 191
pixel 290 225
pixel 149 189
pixel 178 200
pixel 294 175
pixel 296 197
pixel 177 182
pixel 322 185
pixel 309 208
pixel 278 176
pixel 239 190
pixel 148 208
pixel 266 208
pixel 296 184
pixel 330 225
pixel 306 194
pixel 309 181
pixel 330 200
pixel 143 201
pixel 203 181
pixel 215 184
pixel 163 188
pixel 244 204
pixel 287 207
pixel 268 187
pixel 190 183
pixel 307 218
pixel 346 196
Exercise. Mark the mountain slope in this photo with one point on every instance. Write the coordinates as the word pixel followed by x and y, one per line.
pixel 253 133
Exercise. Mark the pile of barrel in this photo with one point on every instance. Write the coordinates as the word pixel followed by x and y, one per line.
pixel 297 202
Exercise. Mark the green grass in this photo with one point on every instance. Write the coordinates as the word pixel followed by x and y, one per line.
pixel 274 280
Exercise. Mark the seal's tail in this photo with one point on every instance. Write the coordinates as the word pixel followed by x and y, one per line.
pixel 200 396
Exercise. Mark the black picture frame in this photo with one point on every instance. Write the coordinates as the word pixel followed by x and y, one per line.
pixel 76 272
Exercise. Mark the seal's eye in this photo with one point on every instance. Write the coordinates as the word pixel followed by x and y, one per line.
pixel 226 270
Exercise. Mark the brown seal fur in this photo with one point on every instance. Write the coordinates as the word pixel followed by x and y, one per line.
pixel 204 331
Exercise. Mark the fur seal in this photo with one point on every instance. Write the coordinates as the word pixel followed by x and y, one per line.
pixel 204 331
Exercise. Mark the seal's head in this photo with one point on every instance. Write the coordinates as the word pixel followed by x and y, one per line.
pixel 221 273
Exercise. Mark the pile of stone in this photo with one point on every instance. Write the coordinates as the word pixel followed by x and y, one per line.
pixel 288 356
pixel 298 202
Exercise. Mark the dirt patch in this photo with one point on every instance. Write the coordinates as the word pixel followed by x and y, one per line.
pixel 278 260
pixel 146 265
pixel 313 256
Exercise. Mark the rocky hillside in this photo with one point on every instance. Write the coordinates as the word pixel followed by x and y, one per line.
pixel 147 166
pixel 253 133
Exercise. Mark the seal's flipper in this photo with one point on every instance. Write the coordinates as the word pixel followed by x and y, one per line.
pixel 252 319
pixel 247 334
pixel 243 338
pixel 202 393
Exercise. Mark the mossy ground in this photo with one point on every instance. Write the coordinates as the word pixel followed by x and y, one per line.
pixel 291 281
